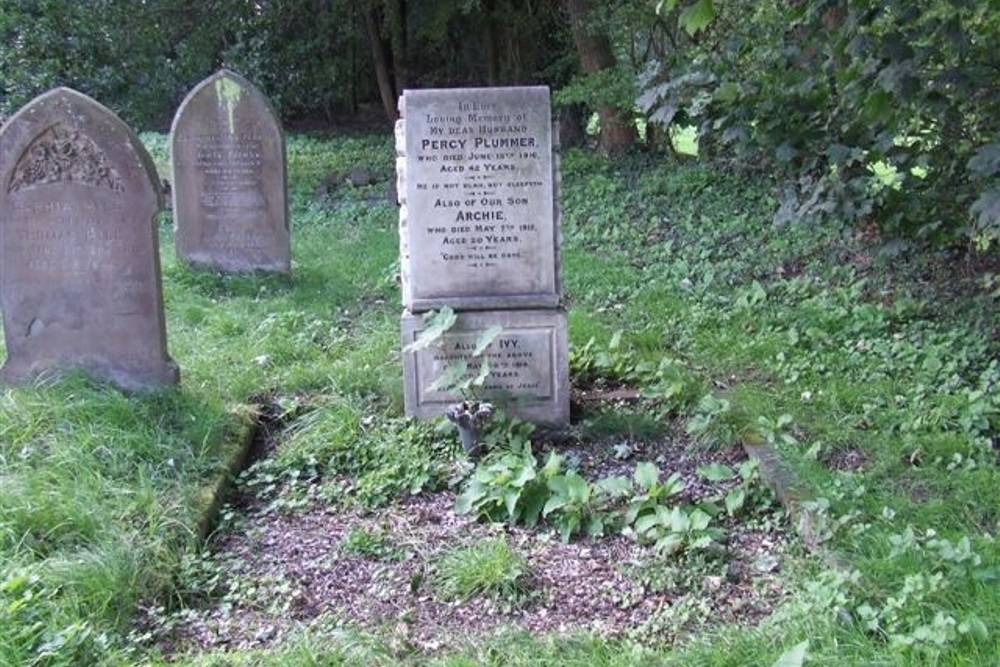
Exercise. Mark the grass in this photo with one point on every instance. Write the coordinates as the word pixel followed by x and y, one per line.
pixel 102 495
pixel 490 567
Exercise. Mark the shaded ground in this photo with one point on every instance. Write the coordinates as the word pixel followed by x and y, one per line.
pixel 271 574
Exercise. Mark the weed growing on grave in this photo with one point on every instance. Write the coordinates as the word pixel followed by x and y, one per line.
pixel 669 528
pixel 371 543
pixel 489 567
pixel 458 377
pixel 338 453
pixel 508 485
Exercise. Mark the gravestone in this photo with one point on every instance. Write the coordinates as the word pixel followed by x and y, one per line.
pixel 479 227
pixel 229 178
pixel 80 285
pixel 478 178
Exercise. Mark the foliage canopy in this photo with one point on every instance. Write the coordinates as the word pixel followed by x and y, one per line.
pixel 868 115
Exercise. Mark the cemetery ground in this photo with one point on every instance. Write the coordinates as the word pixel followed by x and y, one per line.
pixel 702 339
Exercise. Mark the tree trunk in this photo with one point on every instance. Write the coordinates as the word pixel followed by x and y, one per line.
pixel 396 10
pixel 572 126
pixel 617 131
pixel 492 42
pixel 380 58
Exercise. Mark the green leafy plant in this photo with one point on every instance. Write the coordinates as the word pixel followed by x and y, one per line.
pixel 459 377
pixel 577 505
pixel 509 486
pixel 669 528
pixel 749 493
pixel 650 491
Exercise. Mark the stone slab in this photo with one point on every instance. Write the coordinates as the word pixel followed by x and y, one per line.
pixel 478 185
pixel 229 178
pixel 529 367
pixel 80 283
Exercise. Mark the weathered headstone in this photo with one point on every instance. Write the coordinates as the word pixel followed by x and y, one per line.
pixel 80 285
pixel 479 233
pixel 480 229
pixel 229 178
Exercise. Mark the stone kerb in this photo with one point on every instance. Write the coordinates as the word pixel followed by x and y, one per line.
pixel 478 227
pixel 80 282
pixel 230 197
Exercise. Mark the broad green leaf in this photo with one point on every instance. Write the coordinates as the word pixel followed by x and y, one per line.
pixel 436 323
pixel 510 498
pixel 532 500
pixel 616 487
pixel 674 485
pixel 485 338
pixel 696 16
pixel 554 503
pixel 452 377
pixel 715 472
pixel 464 501
pixel 702 542
pixel 568 526
pixel 552 465
pixel 675 518
pixel 646 474
pixel 710 508
pixel 577 488
pixel 698 520
pixel 558 485
pixel 734 500
pixel 645 523
pixel 670 543
pixel 525 475
pixel 484 371
pixel 794 657
pixel 748 470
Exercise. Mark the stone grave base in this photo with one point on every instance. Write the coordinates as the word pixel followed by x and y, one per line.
pixel 528 360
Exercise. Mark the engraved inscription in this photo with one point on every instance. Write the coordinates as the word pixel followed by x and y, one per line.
pixel 81 283
pixel 520 363
pixel 480 195
pixel 229 178
pixel 62 154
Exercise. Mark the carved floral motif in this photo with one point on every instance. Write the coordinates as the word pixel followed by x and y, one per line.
pixel 61 154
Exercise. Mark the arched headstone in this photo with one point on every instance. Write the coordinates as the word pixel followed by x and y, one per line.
pixel 80 284
pixel 229 178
